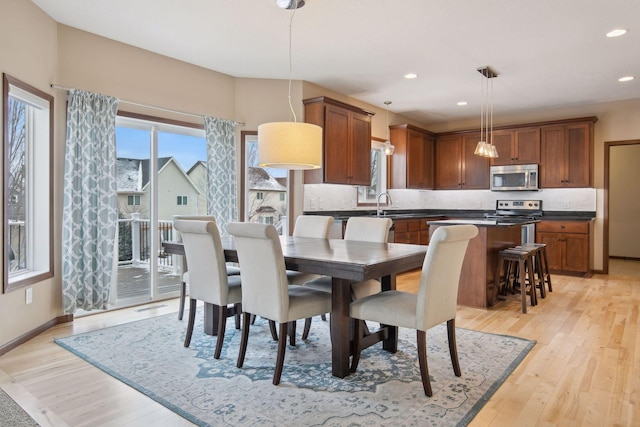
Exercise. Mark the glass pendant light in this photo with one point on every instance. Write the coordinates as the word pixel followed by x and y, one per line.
pixel 388 148
pixel 485 147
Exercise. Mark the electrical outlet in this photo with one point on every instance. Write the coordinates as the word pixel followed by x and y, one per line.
pixel 29 295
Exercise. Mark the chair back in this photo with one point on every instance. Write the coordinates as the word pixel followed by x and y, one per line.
pixel 313 226
pixel 362 229
pixel 265 289
pixel 438 292
pixel 205 256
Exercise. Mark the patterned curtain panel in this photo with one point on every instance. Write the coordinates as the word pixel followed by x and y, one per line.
pixel 89 217
pixel 221 171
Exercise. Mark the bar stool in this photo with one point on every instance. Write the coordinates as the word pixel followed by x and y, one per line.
pixel 541 265
pixel 518 266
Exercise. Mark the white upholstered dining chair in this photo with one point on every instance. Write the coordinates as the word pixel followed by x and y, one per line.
pixel 361 229
pixel 435 303
pixel 208 279
pixel 265 289
pixel 314 226
pixel 231 270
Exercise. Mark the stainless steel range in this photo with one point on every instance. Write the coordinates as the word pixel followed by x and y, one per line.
pixel 519 211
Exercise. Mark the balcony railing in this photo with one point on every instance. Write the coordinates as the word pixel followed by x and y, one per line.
pixel 134 241
pixel 17 249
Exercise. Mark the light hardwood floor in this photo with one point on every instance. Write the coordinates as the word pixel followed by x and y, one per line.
pixel 583 371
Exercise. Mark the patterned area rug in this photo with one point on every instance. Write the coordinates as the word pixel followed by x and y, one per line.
pixel 11 414
pixel 149 356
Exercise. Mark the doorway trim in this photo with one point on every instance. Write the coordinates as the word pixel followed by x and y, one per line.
pixel 605 225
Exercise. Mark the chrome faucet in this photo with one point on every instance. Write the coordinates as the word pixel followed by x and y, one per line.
pixel 378 211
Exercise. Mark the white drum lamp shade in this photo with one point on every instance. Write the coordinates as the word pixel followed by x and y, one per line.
pixel 289 145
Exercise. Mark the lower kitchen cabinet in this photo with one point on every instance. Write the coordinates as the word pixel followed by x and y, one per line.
pixel 568 245
pixel 414 231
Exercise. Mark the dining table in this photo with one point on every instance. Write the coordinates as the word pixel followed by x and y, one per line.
pixel 345 261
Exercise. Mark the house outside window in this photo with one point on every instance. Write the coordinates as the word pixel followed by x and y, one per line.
pixel 182 200
pixel 28 227
pixel 133 200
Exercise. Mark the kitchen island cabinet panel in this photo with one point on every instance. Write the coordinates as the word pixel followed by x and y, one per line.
pixel 477 278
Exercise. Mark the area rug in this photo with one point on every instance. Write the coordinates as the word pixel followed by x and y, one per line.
pixel 149 356
pixel 12 415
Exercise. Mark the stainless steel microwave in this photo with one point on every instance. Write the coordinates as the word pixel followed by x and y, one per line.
pixel 514 178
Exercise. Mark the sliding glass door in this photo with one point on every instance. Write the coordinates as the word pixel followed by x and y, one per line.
pixel 161 172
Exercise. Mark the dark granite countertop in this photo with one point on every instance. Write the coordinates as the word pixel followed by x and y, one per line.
pixel 451 213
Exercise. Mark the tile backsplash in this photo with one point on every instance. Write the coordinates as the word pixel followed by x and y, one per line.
pixel 331 197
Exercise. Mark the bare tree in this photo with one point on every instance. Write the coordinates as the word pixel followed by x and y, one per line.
pixel 17 166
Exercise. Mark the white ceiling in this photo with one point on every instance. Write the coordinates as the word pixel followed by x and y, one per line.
pixel 548 53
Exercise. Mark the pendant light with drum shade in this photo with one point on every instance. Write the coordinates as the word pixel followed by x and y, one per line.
pixel 290 145
pixel 485 147
pixel 387 147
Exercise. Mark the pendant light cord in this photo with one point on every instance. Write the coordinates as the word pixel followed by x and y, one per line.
pixel 293 12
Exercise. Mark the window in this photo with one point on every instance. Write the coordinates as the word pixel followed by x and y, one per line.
pixel 28 227
pixel 256 203
pixel 367 195
pixel 268 220
pixel 182 200
pixel 133 200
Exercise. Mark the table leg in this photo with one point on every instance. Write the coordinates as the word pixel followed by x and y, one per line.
pixel 210 319
pixel 391 343
pixel 340 322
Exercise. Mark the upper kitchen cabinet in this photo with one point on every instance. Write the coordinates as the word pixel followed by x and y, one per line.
pixel 566 155
pixel 412 162
pixel 346 141
pixel 517 146
pixel 456 165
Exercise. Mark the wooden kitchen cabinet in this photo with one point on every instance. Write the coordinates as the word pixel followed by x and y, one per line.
pixel 346 142
pixel 414 231
pixel 456 165
pixel 568 245
pixel 566 155
pixel 412 163
pixel 519 146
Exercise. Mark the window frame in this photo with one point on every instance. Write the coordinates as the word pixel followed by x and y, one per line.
pixel 182 201
pixel 135 198
pixel 362 191
pixel 34 276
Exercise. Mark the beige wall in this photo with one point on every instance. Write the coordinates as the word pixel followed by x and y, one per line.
pixel 28 52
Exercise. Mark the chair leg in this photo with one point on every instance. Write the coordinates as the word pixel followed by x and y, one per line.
pixel 357 338
pixel 422 358
pixel 246 323
pixel 453 348
pixel 183 291
pixel 282 347
pixel 272 328
pixel 323 316
pixel 222 324
pixel 192 319
pixel 292 333
pixel 238 309
pixel 253 319
pixel 307 328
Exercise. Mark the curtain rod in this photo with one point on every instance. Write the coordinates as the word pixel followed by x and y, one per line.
pixel 58 87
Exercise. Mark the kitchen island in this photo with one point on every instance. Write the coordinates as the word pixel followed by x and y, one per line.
pixel 477 287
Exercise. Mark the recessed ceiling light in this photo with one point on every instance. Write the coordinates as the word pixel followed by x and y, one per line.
pixel 462 103
pixel 410 76
pixel 617 32
pixel 626 79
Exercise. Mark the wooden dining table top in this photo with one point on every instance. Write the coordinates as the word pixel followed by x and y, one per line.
pixel 346 259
